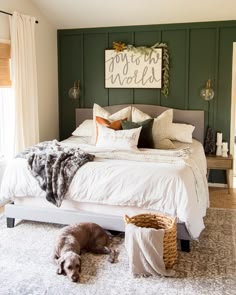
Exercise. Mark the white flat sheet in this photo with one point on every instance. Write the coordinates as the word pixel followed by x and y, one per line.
pixel 177 188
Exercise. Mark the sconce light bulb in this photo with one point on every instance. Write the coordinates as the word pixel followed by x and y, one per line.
pixel 207 93
pixel 74 91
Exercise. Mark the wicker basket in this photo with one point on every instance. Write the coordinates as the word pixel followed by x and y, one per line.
pixel 158 221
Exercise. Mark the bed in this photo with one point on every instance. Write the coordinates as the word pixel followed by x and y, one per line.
pixel 177 184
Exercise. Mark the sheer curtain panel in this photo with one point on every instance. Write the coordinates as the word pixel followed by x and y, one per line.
pixel 7 123
pixel 24 80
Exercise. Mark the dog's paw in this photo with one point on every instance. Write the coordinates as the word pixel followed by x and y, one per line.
pixel 107 250
pixel 113 256
pixel 59 272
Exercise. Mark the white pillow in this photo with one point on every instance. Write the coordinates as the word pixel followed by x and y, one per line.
pixel 101 112
pixel 160 130
pixel 139 116
pixel 118 139
pixel 181 132
pixel 121 114
pixel 84 129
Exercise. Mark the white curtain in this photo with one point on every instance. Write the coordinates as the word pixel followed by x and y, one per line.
pixel 24 80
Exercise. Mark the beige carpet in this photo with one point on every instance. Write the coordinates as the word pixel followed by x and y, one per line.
pixel 26 266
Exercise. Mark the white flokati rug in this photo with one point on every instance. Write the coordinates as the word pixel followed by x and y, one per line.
pixel 27 267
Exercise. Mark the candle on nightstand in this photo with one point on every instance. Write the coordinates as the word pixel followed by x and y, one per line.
pixel 225 146
pixel 225 149
pixel 219 144
pixel 219 138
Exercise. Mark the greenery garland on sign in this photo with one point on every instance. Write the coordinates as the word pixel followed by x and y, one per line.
pixel 120 46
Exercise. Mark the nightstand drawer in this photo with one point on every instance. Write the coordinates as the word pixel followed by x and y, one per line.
pixel 219 162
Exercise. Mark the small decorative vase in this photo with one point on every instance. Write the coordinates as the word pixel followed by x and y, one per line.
pixel 225 149
pixel 219 149
pixel 225 153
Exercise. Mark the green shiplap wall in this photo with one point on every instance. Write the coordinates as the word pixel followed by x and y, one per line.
pixel 198 51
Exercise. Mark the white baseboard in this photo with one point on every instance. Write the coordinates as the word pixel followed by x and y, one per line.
pixel 217 184
pixel 3 164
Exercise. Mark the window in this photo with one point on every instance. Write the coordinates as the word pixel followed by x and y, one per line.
pixel 5 80
pixel 7 122
pixel 7 104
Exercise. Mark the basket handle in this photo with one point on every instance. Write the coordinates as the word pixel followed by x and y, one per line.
pixel 127 219
pixel 175 220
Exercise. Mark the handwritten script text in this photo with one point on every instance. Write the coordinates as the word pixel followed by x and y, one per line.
pixel 133 70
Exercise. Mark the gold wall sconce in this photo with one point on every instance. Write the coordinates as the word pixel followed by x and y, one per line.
pixel 207 93
pixel 74 91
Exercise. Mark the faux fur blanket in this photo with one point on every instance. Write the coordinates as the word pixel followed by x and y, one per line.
pixel 54 167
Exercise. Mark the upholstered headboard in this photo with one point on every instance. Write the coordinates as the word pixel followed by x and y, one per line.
pixel 193 117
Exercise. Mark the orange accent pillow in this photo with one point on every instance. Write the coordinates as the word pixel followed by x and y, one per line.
pixel 115 125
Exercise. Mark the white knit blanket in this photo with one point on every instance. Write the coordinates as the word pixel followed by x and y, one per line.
pixel 143 155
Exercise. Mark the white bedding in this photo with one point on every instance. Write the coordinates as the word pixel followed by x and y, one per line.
pixel 170 182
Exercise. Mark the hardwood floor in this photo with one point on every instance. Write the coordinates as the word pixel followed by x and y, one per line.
pixel 219 198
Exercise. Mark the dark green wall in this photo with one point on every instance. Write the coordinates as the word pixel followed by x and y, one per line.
pixel 198 51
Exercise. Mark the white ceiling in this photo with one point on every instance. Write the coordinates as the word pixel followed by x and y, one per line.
pixel 65 14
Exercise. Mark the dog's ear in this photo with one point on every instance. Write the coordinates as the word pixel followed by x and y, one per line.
pixel 60 266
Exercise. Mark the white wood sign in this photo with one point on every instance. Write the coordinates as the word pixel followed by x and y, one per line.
pixel 128 69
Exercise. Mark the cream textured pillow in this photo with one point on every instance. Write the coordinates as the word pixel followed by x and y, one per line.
pixel 181 132
pixel 98 111
pixel 84 129
pixel 160 130
pixel 139 116
pixel 118 139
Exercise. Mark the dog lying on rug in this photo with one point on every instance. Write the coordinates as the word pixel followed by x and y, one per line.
pixel 73 239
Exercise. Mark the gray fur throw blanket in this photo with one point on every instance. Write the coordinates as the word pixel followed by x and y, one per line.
pixel 54 166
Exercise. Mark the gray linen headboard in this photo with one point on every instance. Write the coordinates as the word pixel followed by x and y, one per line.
pixel 193 117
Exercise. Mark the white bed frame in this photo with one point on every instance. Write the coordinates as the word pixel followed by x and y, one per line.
pixel 110 222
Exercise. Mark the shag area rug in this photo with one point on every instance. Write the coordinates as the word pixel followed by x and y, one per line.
pixel 27 267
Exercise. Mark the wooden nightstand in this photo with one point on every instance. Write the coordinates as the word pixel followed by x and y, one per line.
pixel 220 163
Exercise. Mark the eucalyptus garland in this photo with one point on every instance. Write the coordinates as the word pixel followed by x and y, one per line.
pixel 120 46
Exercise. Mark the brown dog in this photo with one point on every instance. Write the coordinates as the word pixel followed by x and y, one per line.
pixel 72 240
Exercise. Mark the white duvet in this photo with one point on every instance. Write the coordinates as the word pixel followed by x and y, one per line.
pixel 171 182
